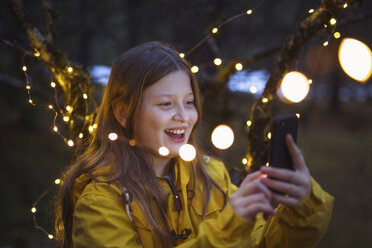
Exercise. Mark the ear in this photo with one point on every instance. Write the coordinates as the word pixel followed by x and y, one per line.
pixel 120 112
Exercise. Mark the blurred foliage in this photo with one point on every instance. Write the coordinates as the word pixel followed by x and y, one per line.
pixel 335 137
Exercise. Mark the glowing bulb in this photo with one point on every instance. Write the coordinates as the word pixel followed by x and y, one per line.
pixel 66 118
pixel 325 25
pixel 355 58
pixel 94 125
pixel 194 69
pixel 311 11
pixel 85 96
pixel 238 66
pixel 249 123
pixel 68 108
pixel 132 142
pixel 187 152
pixel 310 81
pixel 267 164
pixel 36 53
pixel 30 101
pixel 57 181
pixel 345 5
pixel 244 161
pixel 325 43
pixel 24 68
pixel 253 89
pixel 337 35
pixel 55 129
pixel 33 210
pixel 214 30
pixel 269 135
pixel 222 137
pixel 50 236
pixel 70 69
pixel 294 87
pixel 90 129
pixel 298 116
pixel 28 87
pixel 163 151
pixel 113 136
pixel 50 106
pixel 182 55
pixel 249 12
pixel 81 135
pixel 332 21
pixel 217 61
pixel 53 84
pixel 70 143
pixel 265 100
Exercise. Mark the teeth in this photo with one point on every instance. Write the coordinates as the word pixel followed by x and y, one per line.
pixel 175 131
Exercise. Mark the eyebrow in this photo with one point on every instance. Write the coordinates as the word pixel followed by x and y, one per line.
pixel 169 95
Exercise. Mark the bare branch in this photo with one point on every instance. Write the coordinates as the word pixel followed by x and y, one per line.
pixel 17 47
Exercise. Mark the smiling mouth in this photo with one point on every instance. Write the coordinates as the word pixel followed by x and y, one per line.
pixel 177 135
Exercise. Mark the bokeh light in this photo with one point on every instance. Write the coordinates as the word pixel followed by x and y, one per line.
pixel 222 137
pixel 355 59
pixel 187 152
pixel 163 151
pixel 294 87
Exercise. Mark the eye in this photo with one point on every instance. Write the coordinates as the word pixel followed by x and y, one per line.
pixel 165 104
pixel 190 102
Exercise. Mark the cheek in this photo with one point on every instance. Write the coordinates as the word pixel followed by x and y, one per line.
pixel 193 116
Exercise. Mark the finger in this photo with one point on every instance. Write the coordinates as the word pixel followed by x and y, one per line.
pixel 283 187
pixel 286 200
pixel 281 174
pixel 250 177
pixel 254 187
pixel 296 154
pixel 252 210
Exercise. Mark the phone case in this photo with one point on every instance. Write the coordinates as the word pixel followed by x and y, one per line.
pixel 278 153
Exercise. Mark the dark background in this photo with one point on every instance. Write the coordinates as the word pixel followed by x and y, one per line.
pixel 335 135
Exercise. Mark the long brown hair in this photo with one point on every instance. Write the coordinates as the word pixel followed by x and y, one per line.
pixel 133 71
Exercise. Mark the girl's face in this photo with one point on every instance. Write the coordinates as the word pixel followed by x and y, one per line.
pixel 167 114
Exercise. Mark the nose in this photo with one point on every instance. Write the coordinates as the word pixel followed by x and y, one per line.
pixel 181 114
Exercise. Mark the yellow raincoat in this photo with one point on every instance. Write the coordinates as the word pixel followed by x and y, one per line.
pixel 100 218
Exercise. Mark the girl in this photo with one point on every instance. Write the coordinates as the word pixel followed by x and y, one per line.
pixel 123 193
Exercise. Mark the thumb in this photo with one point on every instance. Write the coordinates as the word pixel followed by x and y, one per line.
pixel 296 154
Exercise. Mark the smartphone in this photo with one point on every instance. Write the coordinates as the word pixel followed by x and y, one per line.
pixel 279 156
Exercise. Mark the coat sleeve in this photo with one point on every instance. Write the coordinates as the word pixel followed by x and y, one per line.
pixel 301 226
pixel 100 221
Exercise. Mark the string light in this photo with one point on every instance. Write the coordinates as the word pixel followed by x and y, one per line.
pixel 163 151
pixel 244 160
pixel 325 25
pixel 269 135
pixel 337 35
pixel 217 61
pixel 294 87
pixel 57 181
pixel 265 100
pixel 94 125
pixel 85 96
pixel 345 6
pixel 310 81
pixel 298 115
pixel 238 66
pixel 194 69
pixel 222 137
pixel 69 108
pixel 187 152
pixel 36 53
pixel 24 68
pixel 253 89
pixel 55 129
pixel 182 55
pixel 30 101
pixel 33 210
pixel 214 30
pixel 249 12
pixel 70 69
pixel 311 11
pixel 112 136
pixel 132 142
pixel 28 87
pixel 332 21
pixel 249 123
pixel 53 84
pixel 90 128
pixel 81 135
pixel 66 118
pixel 70 143
pixel 50 236
pixel 325 43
